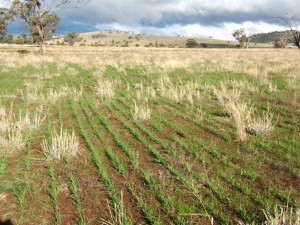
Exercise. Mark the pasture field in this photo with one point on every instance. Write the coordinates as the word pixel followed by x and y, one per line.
pixel 148 136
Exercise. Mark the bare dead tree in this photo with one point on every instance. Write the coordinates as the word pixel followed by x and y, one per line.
pixel 291 20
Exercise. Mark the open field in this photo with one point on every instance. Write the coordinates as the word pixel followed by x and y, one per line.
pixel 148 136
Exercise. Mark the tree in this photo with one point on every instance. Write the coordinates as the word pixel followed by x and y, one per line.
pixel 191 43
pixel 279 43
pixel 71 38
pixel 3 20
pixel 292 22
pixel 241 37
pixel 40 17
pixel 5 16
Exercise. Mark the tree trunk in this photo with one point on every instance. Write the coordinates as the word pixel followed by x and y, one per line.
pixel 43 47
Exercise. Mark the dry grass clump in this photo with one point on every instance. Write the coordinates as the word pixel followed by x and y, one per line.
pixel 53 95
pixel 243 85
pixel 15 131
pixel 99 72
pixel 32 92
pixel 8 95
pixel 72 71
pixel 49 75
pixel 105 88
pixel 293 80
pixel 28 123
pixel 2 112
pixel 283 215
pixel 144 93
pixel 61 145
pixel 268 85
pixel 261 125
pixel 243 113
pixel 141 111
pixel 34 97
pixel 13 139
pixel 188 91
pixel 32 85
pixel 6 118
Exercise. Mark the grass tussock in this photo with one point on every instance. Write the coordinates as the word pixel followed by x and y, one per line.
pixel 105 88
pixel 141 111
pixel 243 113
pixel 13 139
pixel 16 130
pixel 61 145
pixel 53 95
pixel 240 111
pixel 283 215
pixel 142 92
pixel 261 125
pixel 188 91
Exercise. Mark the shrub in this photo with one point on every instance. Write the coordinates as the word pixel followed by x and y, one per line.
pixel 96 36
pixel 20 41
pixel 71 38
pixel 125 45
pixel 23 51
pixel 279 43
pixel 191 43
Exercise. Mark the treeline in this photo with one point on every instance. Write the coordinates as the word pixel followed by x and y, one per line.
pixel 19 40
pixel 270 37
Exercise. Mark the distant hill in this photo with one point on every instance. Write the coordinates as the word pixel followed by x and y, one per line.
pixel 128 39
pixel 269 37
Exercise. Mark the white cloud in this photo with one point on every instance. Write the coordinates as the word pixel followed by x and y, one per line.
pixel 224 31
pixel 217 18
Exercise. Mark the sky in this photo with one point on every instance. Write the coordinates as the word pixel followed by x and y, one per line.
pixel 195 18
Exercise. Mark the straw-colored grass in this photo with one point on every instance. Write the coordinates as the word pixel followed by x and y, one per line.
pixel 105 88
pixel 261 125
pixel 61 145
pixel 141 111
pixel 283 215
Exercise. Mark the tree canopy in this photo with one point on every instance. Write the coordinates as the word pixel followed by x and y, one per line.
pixel 40 17
pixel 241 36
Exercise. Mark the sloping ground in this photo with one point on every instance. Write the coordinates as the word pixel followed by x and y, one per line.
pixel 126 39
pixel 185 165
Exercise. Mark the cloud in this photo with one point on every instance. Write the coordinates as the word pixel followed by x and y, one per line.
pixel 224 31
pixel 156 12
pixel 177 17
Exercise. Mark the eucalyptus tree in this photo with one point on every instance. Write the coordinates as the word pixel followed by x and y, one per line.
pixel 241 37
pixel 5 17
pixel 41 18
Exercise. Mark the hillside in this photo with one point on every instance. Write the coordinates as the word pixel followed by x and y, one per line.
pixel 270 37
pixel 126 39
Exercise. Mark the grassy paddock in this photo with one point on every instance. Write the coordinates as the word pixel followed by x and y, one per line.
pixel 163 136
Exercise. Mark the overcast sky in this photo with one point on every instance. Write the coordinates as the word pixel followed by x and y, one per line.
pixel 202 18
